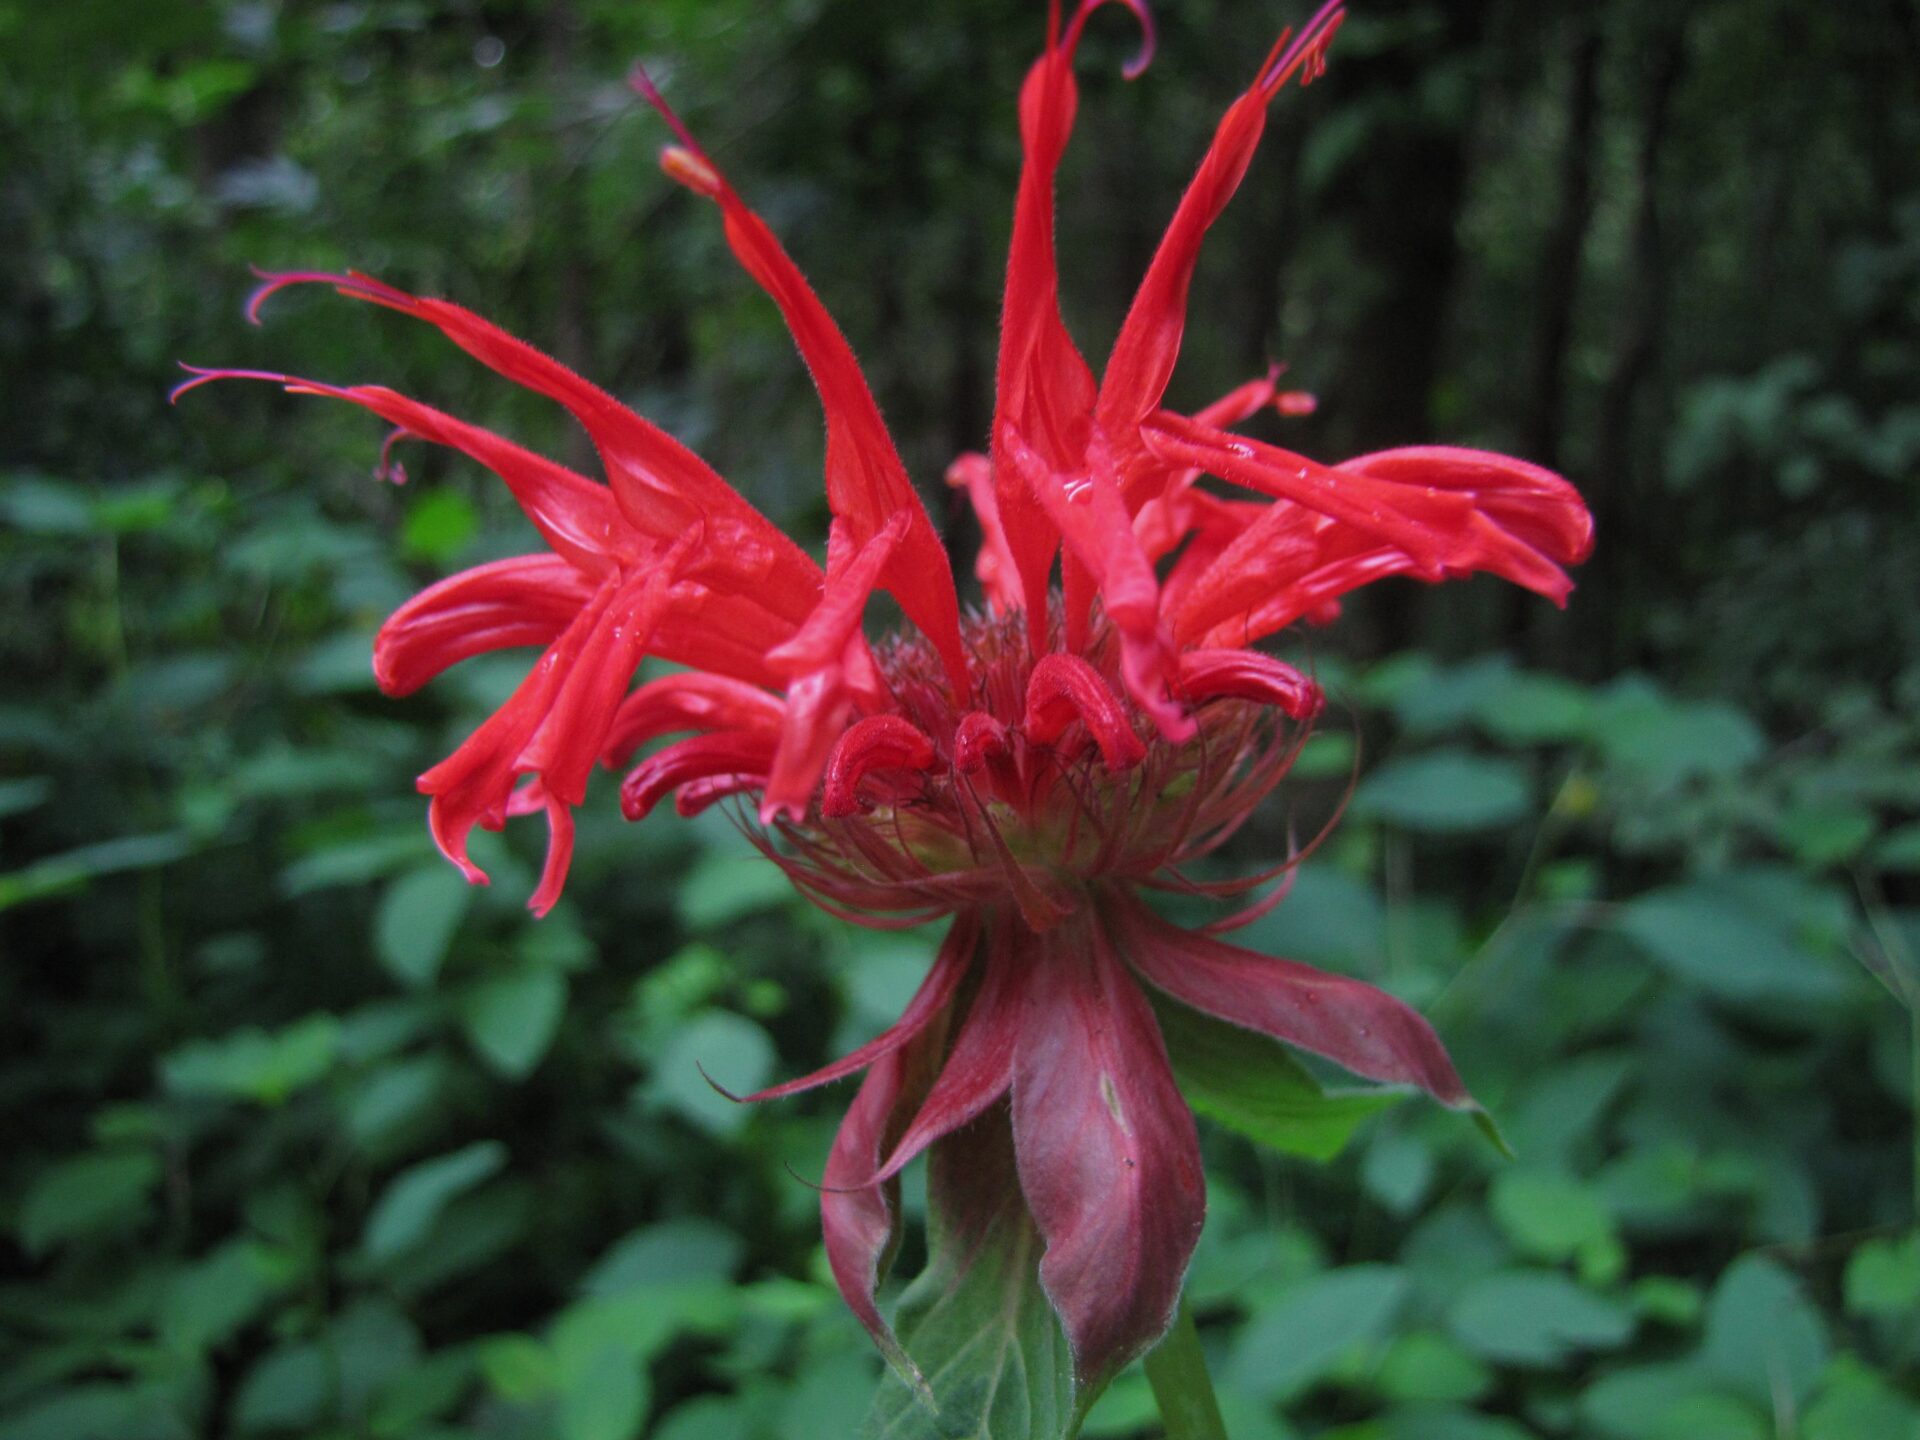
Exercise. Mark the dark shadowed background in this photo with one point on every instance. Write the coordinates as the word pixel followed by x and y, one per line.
pixel 305 1138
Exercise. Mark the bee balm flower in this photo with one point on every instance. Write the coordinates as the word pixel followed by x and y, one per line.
pixel 1027 768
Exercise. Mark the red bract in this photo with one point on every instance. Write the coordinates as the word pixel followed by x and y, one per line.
pixel 1026 768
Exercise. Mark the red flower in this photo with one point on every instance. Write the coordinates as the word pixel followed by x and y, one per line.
pixel 1026 769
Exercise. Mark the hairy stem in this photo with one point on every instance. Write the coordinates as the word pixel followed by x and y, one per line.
pixel 1177 1370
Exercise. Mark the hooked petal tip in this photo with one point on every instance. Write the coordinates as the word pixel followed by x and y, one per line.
pixel 1143 57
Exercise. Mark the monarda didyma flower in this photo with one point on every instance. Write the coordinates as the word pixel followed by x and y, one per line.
pixel 1027 768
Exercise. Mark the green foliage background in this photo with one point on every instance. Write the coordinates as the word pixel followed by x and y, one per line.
pixel 305 1138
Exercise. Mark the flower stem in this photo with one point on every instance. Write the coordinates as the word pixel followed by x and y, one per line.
pixel 1177 1370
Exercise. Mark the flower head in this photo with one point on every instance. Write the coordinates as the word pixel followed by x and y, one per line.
pixel 1027 768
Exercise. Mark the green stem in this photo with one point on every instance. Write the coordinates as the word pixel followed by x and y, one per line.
pixel 1177 1370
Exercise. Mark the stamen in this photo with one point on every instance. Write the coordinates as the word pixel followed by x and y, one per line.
pixel 390 469
pixel 353 285
pixel 1065 688
pixel 1308 51
pixel 879 742
pixel 207 377
pixel 642 84
pixel 1296 402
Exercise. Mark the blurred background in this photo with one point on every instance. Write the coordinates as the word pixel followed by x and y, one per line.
pixel 306 1138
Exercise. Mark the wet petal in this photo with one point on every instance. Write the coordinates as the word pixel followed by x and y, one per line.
pixel 689 701
pixel 1065 688
pixel 879 742
pixel 528 600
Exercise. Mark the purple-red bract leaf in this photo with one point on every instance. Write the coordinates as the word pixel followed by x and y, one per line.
pixel 1348 1021
pixel 1109 1160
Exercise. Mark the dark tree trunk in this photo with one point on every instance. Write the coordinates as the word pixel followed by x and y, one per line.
pixel 1625 502
pixel 1404 212
pixel 1560 261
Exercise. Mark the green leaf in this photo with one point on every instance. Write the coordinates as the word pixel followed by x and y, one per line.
pixel 1427 1366
pixel 1855 1403
pixel 250 1064
pixel 89 1193
pixel 1883 1278
pixel 1763 1338
pixel 1665 742
pixel 75 869
pixel 288 1390
pixel 1668 1402
pixel 607 1401
pixel 413 1199
pixel 439 525
pixel 976 1321
pixel 207 1302
pixel 730 1048
pixel 1253 1085
pixel 1550 1216
pixel 1706 937
pixel 672 1251
pixel 722 888
pixel 512 1020
pixel 416 922
pixel 1299 1337
pixel 1535 1317
pixel 1826 833
pixel 1899 849
pixel 518 1367
pixel 1444 792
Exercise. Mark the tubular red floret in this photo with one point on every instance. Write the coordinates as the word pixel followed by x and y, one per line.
pixel 1065 688
pixel 879 742
pixel 728 752
pixel 1249 675
pixel 693 700
pixel 977 738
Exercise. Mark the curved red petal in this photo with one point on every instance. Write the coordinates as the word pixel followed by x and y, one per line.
pixel 689 701
pixel 659 485
pixel 879 742
pixel 527 600
pixel 1065 688
pixel 867 483
pixel 727 752
pixel 1249 675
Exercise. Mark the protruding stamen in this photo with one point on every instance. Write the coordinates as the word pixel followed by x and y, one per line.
pixel 1065 688
pixel 880 742
pixel 207 377
pixel 1247 675
pixel 977 738
pixel 1296 402
pixel 1307 54
pixel 353 284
